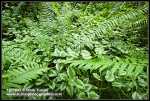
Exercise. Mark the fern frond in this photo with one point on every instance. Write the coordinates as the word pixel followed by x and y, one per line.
pixel 106 64
pixel 29 72
pixel 116 21
pixel 46 16
pixel 14 77
pixel 18 55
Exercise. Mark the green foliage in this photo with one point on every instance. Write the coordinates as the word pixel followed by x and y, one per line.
pixel 127 69
pixel 83 50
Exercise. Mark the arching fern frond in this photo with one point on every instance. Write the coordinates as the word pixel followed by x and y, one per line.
pixel 110 24
pixel 115 67
pixel 23 74
pixel 14 77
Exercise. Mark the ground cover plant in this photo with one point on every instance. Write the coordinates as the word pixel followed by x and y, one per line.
pixel 80 50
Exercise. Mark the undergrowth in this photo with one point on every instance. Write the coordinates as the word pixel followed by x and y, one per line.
pixel 83 50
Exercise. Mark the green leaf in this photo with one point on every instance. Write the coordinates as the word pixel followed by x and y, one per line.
pixel 141 82
pixel 81 95
pixel 84 62
pixel 130 69
pixel 85 54
pixel 39 82
pixel 63 76
pixel 52 73
pixel 130 85
pixel 117 84
pixel 56 52
pixel 25 66
pixel 90 45
pixel 109 76
pixel 138 70
pixel 52 84
pixel 63 86
pixel 58 79
pixel 89 65
pixel 136 96
pixel 115 67
pixel 72 53
pixel 93 95
pixel 121 69
pixel 96 76
pixel 98 51
pixel 76 63
pixel 70 72
pixel 79 84
pixel 62 54
pixel 45 78
pixel 96 65
pixel 71 81
pixel 106 65
pixel 86 80
pixel 88 87
pixel 59 67
pixel 70 90
pixel 94 87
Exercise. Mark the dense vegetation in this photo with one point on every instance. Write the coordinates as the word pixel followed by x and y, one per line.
pixel 84 50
